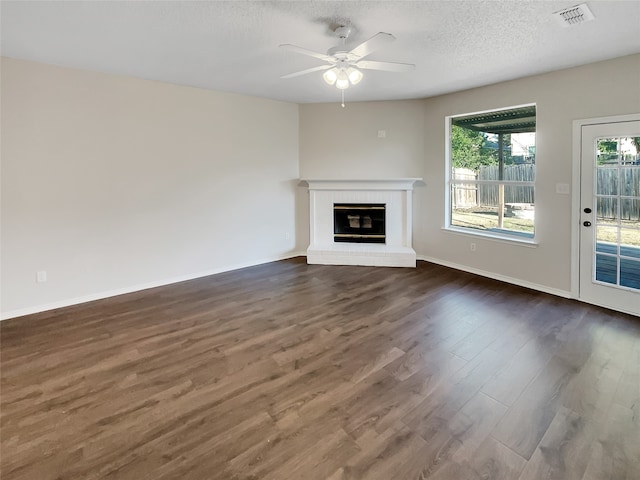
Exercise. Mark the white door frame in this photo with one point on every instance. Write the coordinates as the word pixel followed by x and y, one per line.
pixel 575 194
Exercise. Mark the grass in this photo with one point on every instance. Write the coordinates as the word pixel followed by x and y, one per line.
pixel 627 235
pixel 486 218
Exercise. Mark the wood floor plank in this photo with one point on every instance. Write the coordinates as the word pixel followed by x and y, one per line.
pixel 526 422
pixel 452 393
pixel 289 370
pixel 616 452
pixel 378 363
pixel 495 461
pixel 474 423
pixel 510 382
pixel 396 453
pixel 564 450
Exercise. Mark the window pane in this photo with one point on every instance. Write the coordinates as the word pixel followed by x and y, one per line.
pixel 467 212
pixel 519 208
pixel 476 206
pixel 486 149
pixel 479 218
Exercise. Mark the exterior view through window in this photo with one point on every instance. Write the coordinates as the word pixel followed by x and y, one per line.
pixel 492 166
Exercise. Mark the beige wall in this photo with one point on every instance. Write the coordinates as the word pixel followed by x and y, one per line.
pixel 112 183
pixel 338 142
pixel 351 147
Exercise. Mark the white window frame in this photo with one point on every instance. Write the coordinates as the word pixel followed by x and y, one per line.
pixel 502 237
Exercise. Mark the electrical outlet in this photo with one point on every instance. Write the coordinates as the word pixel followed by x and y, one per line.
pixel 382 134
pixel 41 276
pixel 472 247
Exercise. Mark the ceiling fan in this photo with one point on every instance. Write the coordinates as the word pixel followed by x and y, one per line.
pixel 344 66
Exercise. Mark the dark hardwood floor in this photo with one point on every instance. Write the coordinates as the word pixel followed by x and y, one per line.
pixel 292 371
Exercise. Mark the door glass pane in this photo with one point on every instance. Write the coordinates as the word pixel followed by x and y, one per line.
pixel 630 212
pixel 607 240
pixel 630 242
pixel 630 181
pixel 630 273
pixel 607 269
pixel 617 219
pixel 607 210
pixel 607 180
pixel 607 151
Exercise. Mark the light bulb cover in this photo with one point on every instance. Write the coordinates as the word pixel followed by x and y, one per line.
pixel 354 75
pixel 330 76
pixel 342 81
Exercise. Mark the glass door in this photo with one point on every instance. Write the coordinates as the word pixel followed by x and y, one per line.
pixel 610 216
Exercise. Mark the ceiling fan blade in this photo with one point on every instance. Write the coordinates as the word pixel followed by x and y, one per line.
pixel 386 66
pixel 304 51
pixel 367 47
pixel 308 70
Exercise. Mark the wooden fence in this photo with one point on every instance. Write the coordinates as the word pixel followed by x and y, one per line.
pixel 464 194
pixel 472 194
pixel 627 183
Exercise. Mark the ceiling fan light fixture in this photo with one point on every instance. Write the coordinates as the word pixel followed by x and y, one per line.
pixel 354 75
pixel 342 81
pixel 330 76
pixel 344 68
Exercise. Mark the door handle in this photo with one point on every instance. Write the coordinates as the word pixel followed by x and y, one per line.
pixel 587 223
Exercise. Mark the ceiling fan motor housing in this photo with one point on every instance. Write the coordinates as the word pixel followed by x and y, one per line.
pixel 341 55
pixel 343 31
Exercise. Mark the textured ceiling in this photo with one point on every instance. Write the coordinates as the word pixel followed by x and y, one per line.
pixel 233 45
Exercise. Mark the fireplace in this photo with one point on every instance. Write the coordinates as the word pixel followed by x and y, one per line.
pixel 359 222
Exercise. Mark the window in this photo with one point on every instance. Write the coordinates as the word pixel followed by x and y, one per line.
pixel 491 172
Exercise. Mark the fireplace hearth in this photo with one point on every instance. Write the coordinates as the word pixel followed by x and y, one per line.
pixel 359 222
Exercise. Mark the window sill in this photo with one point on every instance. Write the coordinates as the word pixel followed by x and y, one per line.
pixel 525 242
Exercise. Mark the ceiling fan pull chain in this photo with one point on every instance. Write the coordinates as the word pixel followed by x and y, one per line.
pixel 342 98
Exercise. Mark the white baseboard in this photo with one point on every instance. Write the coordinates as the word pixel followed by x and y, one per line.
pixel 136 288
pixel 496 276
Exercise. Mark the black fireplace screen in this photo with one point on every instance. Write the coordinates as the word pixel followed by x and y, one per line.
pixel 359 222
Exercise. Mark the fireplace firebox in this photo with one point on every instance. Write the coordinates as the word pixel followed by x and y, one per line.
pixel 359 222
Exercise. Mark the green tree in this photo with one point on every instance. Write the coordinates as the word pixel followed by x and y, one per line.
pixel 469 149
pixel 608 146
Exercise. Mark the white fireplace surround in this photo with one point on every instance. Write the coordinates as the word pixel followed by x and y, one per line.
pixel 395 193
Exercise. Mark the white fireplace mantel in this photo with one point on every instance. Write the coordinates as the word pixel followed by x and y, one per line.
pixel 383 184
pixel 395 193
